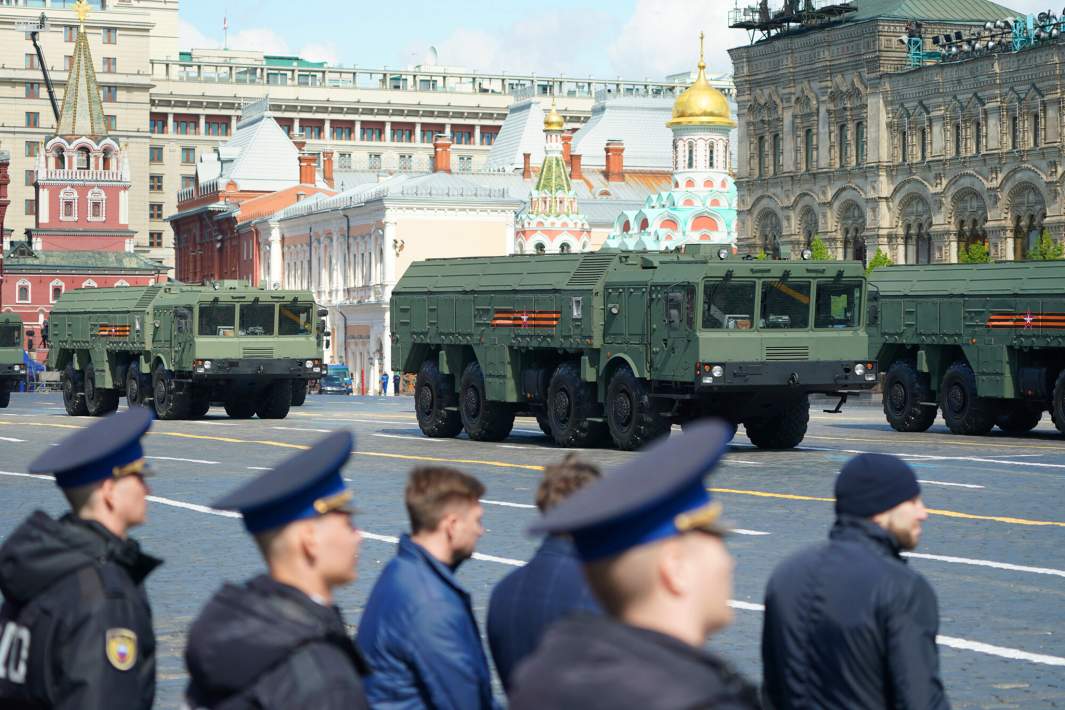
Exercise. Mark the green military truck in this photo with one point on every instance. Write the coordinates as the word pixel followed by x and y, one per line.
pixel 983 343
pixel 183 348
pixel 624 344
pixel 12 368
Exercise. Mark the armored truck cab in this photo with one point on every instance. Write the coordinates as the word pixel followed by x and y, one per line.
pixel 182 348
pixel 983 343
pixel 12 369
pixel 622 345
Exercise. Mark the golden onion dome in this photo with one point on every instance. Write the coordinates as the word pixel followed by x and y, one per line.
pixel 553 121
pixel 701 104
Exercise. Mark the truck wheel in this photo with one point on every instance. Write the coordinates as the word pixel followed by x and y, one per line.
pixel 1018 417
pixel 632 420
pixel 73 397
pixel 136 392
pixel 275 400
pixel 299 392
pixel 964 411
pixel 545 425
pixel 570 401
pixel 98 401
pixel 168 403
pixel 5 396
pixel 199 404
pixel 785 430
pixel 432 397
pixel 240 407
pixel 1057 406
pixel 482 420
pixel 904 390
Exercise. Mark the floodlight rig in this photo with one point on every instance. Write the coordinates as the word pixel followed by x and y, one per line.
pixel 33 30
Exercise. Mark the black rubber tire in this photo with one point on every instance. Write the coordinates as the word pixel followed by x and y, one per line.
pixel 544 424
pixel 240 407
pixel 482 420
pixel 98 401
pixel 570 403
pixel 275 400
pixel 630 416
pixel 1018 417
pixel 137 395
pixel 785 429
pixel 904 390
pixel 963 410
pixel 73 396
pixel 168 404
pixel 199 404
pixel 432 397
pixel 299 392
pixel 5 396
pixel 1057 403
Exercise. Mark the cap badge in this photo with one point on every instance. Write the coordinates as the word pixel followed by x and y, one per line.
pixel 121 648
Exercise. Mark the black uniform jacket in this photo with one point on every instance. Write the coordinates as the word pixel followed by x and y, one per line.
pixel 587 662
pixel 265 644
pixel 849 625
pixel 76 627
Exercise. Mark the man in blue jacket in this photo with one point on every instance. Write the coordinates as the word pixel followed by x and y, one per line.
pixel 551 586
pixel 418 631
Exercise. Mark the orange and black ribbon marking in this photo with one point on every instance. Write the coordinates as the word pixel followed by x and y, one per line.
pixel 1027 320
pixel 113 331
pixel 510 318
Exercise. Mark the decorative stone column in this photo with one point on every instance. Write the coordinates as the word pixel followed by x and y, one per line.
pixel 276 263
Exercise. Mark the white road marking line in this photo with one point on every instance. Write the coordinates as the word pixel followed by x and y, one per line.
pixel 749 463
pixel 27 475
pixel 537 432
pixel 296 428
pixel 745 531
pixel 986 563
pixel 209 422
pixel 945 483
pixel 426 439
pixel 950 641
pixel 10 414
pixel 12 439
pixel 506 504
pixel 931 457
pixel 259 468
pixel 174 458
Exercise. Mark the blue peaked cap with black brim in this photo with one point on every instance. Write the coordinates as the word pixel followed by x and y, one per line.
pixel 659 494
pixel 303 486
pixel 108 448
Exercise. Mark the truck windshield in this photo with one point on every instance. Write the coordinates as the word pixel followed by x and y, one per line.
pixel 256 319
pixel 838 304
pixel 9 336
pixel 728 305
pixel 218 319
pixel 785 304
pixel 295 319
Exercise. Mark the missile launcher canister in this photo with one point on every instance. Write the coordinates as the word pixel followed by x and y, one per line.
pixel 620 345
pixel 12 367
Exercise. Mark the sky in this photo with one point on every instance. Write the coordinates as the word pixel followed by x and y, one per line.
pixel 631 39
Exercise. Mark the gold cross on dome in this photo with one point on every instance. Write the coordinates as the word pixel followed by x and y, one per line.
pixel 700 45
pixel 81 9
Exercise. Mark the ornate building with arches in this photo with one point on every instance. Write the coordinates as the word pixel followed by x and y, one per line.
pixel 840 139
pixel 700 207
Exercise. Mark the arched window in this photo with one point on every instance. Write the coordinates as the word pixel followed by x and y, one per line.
pixel 106 166
pixel 1035 129
pixel 83 159
pixel 691 155
pixel 541 248
pixel 68 205
pixel 88 283
pixel 710 155
pixel 564 249
pixel 60 159
pixel 97 203
pixel 22 292
pixel 56 289
pixel 121 282
pixel 957 139
pixel 808 149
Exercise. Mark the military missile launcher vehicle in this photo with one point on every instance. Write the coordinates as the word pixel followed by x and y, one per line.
pixel 12 369
pixel 621 345
pixel 983 343
pixel 182 348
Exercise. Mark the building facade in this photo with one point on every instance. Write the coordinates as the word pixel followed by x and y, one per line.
pixel 841 139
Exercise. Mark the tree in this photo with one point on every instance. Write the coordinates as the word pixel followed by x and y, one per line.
pixel 1048 249
pixel 880 259
pixel 975 253
pixel 820 250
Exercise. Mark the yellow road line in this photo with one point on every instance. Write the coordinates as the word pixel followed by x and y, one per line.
pixel 44 424
pixel 765 494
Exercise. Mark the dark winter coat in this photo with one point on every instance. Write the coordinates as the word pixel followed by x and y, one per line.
pixel 75 628
pixel 531 598
pixel 419 635
pixel 594 662
pixel 849 625
pixel 265 644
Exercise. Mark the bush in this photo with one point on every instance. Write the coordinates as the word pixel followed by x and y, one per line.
pixel 880 259
pixel 976 253
pixel 820 250
pixel 1047 249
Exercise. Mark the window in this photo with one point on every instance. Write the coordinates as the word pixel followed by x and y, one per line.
pixel 121 283
pixel 110 65
pixel 488 138
pixel 30 207
pixel 680 307
pixel 462 137
pixel 157 124
pixel 88 283
pixel 904 140
pixel 155 240
pixel 70 33
pixel 186 128
pixel 808 149
pixel 56 290
pixel 371 134
pixel 728 305
pixel 406 162
pixel 155 183
pixel 785 304
pixel 761 156
pixel 155 154
pixel 97 203
pixel 1014 129
pixel 256 319
pixel 217 128
pixel 10 335
pixel 428 135
pixel 294 319
pixel 31 149
pixel 217 319
pixel 22 294
pixel 924 144
pixel 313 133
pixel 155 210
pixel 111 122
pixel 30 176
pixel 110 35
pixel 31 61
pixel 844 145
pixel 859 143
pixel 957 139
pixel 82 159
pixel 33 119
pixel 33 90
pixel 375 161
pixel 188 156
pixel 465 163
pixel 109 94
pixel 188 181
pixel 978 138
pixel 68 205
pixel 344 161
pixel 1035 130
pixel 710 155
pixel 402 135
pixel 838 304
pixel 342 133
pixel 778 154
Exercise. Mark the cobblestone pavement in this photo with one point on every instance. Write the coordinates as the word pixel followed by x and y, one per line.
pixel 994 548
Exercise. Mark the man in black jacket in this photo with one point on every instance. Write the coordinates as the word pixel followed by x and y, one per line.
pixel 75 627
pixel 277 641
pixel 848 624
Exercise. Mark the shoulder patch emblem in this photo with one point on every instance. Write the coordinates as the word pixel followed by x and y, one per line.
pixel 121 648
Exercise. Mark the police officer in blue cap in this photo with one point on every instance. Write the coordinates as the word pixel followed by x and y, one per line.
pixel 76 627
pixel 651 542
pixel 277 641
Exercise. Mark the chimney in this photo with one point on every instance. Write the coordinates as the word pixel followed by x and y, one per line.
pixel 526 166
pixel 327 167
pixel 575 172
pixel 299 143
pixel 441 154
pixel 615 161
pixel 307 169
pixel 567 147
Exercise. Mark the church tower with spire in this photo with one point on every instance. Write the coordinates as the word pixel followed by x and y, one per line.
pixel 552 223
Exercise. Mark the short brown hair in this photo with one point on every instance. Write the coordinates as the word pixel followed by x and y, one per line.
pixel 431 490
pixel 563 479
